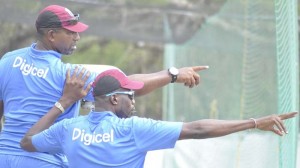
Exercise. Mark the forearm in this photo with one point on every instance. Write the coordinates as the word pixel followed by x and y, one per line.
pixel 151 81
pixel 210 128
pixel 186 75
pixel 48 119
pixel 44 123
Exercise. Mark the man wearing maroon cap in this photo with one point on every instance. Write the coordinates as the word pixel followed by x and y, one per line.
pixel 32 78
pixel 110 137
pixel 57 29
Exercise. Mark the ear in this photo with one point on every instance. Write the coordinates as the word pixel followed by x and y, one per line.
pixel 51 35
pixel 113 99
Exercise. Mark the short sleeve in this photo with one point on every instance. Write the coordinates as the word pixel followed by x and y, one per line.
pixel 153 135
pixel 50 140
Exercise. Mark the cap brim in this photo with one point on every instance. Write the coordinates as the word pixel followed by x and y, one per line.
pixel 133 85
pixel 79 27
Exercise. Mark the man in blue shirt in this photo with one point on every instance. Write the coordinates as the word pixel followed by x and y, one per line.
pixel 32 78
pixel 111 137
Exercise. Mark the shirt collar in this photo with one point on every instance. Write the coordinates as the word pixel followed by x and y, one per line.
pixel 39 53
pixel 95 117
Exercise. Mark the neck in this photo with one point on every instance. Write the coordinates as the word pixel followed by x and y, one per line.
pixel 99 107
pixel 103 104
pixel 41 46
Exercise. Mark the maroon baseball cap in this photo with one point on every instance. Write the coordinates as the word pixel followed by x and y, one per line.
pixel 55 16
pixel 113 79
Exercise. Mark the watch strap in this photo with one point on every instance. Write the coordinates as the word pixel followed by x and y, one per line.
pixel 59 106
pixel 174 78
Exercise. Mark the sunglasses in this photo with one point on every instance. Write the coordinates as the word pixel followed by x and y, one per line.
pixel 129 93
pixel 73 21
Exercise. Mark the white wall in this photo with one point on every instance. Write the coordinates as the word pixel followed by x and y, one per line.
pixel 155 158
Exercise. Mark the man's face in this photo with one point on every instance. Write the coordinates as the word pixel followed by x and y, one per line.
pixel 125 107
pixel 64 41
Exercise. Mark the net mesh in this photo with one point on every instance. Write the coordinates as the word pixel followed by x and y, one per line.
pixel 251 48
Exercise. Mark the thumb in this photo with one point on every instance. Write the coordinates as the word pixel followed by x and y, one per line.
pixel 199 68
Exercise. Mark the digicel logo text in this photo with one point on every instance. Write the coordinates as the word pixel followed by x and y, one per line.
pixel 30 68
pixel 87 138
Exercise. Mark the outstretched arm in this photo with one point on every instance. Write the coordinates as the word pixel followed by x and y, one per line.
pixel 73 91
pixel 211 128
pixel 188 76
pixel 1 114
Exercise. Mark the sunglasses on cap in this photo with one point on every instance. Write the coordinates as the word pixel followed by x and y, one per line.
pixel 129 93
pixel 72 21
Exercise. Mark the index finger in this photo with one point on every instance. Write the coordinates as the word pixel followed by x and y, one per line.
pixel 199 68
pixel 288 115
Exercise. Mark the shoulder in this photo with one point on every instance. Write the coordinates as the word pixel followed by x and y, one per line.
pixel 136 119
pixel 155 125
pixel 15 53
pixel 12 58
pixel 137 122
pixel 68 122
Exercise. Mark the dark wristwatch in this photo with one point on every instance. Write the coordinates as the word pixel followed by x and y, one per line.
pixel 173 72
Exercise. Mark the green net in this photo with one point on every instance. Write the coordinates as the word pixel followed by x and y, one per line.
pixel 251 47
pixel 288 92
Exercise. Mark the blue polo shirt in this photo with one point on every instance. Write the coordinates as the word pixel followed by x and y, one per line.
pixel 101 139
pixel 31 81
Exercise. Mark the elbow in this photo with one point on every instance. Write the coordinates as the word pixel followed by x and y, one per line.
pixel 23 143
pixel 195 130
pixel 26 144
